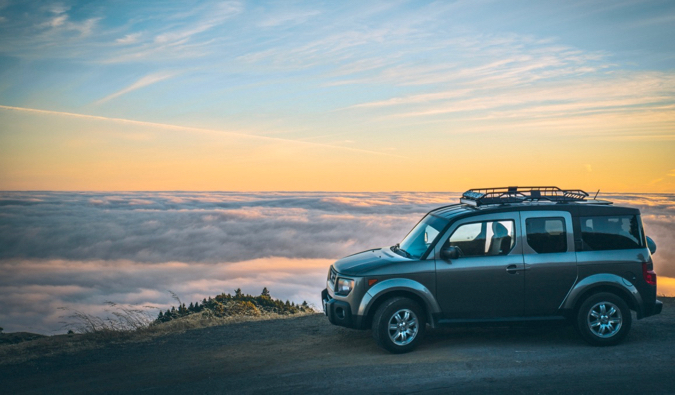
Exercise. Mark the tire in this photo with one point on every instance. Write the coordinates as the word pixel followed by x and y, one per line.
pixel 604 319
pixel 399 325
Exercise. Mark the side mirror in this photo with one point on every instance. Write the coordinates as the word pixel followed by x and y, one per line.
pixel 450 253
pixel 651 245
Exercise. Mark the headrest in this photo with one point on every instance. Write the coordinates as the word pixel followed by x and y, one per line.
pixel 499 230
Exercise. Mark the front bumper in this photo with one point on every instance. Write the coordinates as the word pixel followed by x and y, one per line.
pixel 339 312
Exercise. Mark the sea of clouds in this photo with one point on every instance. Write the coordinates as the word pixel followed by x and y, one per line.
pixel 81 250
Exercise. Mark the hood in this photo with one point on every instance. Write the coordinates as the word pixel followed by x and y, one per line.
pixel 363 263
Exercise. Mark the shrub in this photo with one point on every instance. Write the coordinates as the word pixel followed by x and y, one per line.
pixel 239 304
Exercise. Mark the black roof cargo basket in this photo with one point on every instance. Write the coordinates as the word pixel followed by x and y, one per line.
pixel 507 195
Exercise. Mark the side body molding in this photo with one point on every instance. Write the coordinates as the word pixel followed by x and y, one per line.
pixel 603 279
pixel 398 284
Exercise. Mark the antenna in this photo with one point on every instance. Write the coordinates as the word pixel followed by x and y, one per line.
pixel 596 194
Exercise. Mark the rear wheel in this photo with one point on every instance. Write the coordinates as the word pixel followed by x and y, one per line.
pixel 399 325
pixel 604 319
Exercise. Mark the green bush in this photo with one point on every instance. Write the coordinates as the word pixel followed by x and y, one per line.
pixel 239 304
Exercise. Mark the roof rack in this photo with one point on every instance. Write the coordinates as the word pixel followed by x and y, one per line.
pixel 508 195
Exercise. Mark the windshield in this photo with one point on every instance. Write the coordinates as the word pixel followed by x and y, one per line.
pixel 416 243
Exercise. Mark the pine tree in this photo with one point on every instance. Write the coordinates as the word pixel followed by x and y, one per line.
pixel 266 293
pixel 237 293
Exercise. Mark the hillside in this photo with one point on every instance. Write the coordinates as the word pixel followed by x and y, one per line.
pixel 307 354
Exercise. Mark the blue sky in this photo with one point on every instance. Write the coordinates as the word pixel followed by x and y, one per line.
pixel 390 78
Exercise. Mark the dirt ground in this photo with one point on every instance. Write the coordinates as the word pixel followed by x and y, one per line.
pixel 308 355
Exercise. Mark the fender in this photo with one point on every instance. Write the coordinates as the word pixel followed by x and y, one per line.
pixel 398 284
pixel 604 279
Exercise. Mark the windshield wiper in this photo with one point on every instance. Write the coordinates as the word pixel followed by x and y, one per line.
pixel 397 247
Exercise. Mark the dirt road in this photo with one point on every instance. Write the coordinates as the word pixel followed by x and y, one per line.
pixel 308 355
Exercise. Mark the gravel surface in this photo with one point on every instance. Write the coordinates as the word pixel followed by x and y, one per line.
pixel 307 354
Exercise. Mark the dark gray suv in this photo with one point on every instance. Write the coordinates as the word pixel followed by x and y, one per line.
pixel 502 255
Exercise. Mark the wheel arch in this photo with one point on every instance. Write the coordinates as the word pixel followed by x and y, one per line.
pixel 604 283
pixel 391 288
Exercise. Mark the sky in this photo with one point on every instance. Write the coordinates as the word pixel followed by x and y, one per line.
pixel 336 96
pixel 76 251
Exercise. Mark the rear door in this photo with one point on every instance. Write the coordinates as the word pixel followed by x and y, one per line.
pixel 550 260
pixel 487 281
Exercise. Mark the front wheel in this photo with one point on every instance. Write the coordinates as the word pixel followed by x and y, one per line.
pixel 604 319
pixel 399 325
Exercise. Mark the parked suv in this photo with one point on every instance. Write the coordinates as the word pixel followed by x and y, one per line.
pixel 501 255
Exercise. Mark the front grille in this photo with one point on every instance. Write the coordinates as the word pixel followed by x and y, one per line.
pixel 332 275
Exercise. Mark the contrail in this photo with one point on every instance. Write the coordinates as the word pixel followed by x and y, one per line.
pixel 143 82
pixel 193 129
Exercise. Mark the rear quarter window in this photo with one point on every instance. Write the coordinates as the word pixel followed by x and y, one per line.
pixel 611 232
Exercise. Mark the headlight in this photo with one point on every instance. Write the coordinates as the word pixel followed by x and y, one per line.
pixel 344 286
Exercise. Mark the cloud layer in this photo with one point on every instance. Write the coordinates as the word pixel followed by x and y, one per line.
pixel 204 227
pixel 80 250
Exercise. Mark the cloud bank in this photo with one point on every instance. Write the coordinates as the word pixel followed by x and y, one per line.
pixel 204 227
pixel 80 250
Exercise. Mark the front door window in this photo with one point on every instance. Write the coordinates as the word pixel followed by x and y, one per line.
pixel 484 238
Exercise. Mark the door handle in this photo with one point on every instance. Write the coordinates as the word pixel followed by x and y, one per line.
pixel 513 269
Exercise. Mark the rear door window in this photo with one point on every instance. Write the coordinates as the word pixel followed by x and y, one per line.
pixel 546 235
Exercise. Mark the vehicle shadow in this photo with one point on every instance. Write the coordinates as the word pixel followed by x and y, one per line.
pixel 549 333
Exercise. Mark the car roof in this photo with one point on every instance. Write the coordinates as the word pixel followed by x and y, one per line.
pixel 577 209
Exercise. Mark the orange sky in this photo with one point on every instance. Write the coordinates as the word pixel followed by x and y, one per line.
pixel 52 151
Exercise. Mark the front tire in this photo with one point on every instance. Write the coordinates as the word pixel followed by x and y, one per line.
pixel 399 325
pixel 604 319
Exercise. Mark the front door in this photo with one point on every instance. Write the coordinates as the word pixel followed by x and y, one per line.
pixel 487 280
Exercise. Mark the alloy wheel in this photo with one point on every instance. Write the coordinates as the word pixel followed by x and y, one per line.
pixel 403 327
pixel 604 319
